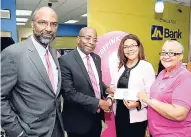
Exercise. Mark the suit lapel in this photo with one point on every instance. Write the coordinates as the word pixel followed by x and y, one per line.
pixel 34 56
pixel 55 58
pixel 82 66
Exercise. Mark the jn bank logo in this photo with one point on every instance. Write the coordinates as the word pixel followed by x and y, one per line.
pixel 159 32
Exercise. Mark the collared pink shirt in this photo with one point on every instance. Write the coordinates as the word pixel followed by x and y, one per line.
pixel 175 89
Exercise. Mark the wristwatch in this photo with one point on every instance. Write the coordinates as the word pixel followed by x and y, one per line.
pixel 139 106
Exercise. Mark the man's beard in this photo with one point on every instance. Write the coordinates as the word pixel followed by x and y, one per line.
pixel 44 40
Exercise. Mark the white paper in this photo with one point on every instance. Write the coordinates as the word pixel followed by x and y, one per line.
pixel 124 93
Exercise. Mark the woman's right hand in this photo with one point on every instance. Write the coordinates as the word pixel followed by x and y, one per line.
pixel 130 104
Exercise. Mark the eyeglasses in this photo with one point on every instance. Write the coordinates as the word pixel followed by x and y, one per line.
pixel 130 46
pixel 88 38
pixel 44 24
pixel 170 54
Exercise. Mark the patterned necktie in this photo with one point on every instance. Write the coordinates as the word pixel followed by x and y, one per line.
pixel 93 79
pixel 50 70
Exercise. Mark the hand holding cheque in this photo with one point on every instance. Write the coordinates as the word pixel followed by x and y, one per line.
pixel 128 96
pixel 125 94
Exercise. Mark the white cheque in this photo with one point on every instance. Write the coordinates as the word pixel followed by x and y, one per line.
pixel 124 93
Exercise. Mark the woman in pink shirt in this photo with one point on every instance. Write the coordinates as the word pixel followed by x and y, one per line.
pixel 169 103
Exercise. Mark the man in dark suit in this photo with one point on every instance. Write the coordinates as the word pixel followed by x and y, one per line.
pixel 31 81
pixel 82 88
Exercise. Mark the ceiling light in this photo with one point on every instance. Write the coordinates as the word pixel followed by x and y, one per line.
pixel 20 23
pixel 23 12
pixel 159 6
pixel 21 19
pixel 71 21
pixel 84 15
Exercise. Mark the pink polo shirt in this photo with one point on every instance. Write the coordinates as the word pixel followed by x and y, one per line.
pixel 175 89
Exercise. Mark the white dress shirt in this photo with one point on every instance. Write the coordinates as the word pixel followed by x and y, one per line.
pixel 42 51
pixel 84 59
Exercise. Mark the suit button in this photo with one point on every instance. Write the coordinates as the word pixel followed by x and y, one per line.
pixel 53 115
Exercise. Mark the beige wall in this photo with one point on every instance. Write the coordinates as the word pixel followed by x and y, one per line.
pixel 58 43
pixel 23 33
pixel 64 42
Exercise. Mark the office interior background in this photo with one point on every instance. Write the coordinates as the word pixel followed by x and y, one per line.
pixel 132 16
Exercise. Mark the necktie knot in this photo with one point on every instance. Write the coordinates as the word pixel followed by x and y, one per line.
pixel 88 57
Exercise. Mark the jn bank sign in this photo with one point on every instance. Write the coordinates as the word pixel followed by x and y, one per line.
pixel 159 32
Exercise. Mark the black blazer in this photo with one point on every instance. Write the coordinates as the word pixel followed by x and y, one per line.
pixel 80 103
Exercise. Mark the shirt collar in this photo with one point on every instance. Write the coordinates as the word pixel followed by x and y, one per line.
pixel 82 55
pixel 41 50
pixel 173 74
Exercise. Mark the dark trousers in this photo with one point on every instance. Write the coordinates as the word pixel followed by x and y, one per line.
pixel 134 130
pixel 57 131
pixel 123 126
pixel 95 130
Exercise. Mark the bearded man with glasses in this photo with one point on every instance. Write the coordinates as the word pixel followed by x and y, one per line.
pixel 31 82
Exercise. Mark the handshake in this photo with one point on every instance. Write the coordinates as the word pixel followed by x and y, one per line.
pixel 105 104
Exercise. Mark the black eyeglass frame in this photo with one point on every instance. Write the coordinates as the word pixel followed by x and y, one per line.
pixel 170 54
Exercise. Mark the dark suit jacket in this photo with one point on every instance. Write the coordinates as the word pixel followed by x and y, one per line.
pixel 28 102
pixel 80 103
